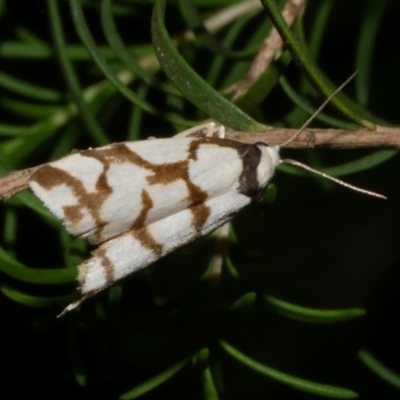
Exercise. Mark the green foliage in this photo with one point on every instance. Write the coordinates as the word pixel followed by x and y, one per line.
pixel 300 268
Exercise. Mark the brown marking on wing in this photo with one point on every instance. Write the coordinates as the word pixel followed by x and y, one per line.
pixel 233 144
pixel 117 153
pixel 147 205
pixel 200 213
pixel 164 174
pixel 73 213
pixel 146 240
pixel 107 265
pixel 49 177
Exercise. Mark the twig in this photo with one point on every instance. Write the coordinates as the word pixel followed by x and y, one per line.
pixel 223 18
pixel 382 137
pixel 271 46
pixel 15 182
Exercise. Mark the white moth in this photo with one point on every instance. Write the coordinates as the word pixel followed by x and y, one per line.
pixel 141 200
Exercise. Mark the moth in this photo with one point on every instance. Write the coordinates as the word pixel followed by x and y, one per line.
pixel 141 200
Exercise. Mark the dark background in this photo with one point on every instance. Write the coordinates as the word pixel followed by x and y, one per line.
pixel 327 249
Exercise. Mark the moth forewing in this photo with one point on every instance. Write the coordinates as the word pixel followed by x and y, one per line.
pixel 103 192
pixel 136 249
pixel 142 200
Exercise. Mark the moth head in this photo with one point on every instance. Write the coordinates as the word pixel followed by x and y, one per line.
pixel 269 161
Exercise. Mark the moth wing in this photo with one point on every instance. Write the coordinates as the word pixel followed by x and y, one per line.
pixel 134 250
pixel 103 192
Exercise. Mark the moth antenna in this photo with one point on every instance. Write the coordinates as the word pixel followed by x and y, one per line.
pixel 320 108
pixel 306 167
pixel 338 181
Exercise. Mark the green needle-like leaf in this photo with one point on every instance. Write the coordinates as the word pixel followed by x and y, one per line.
pixel 155 381
pixel 302 57
pixel 310 314
pixel 16 270
pixel 33 301
pixel 374 11
pixel 379 369
pixel 87 39
pixel 192 86
pixel 111 33
pixel 293 381
pixel 71 77
pixel 28 89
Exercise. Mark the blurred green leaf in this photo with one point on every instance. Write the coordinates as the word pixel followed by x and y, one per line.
pixel 301 55
pixel 311 314
pixel 379 369
pixel 33 301
pixel 371 23
pixel 24 88
pixel 192 86
pixel 294 382
pixel 243 302
pixel 70 75
pixel 16 270
pixel 155 381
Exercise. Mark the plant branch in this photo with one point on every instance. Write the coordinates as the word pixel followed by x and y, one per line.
pixel 382 137
pixel 270 48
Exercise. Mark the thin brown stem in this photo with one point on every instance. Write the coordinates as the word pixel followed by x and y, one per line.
pixel 271 46
pixel 15 182
pixel 382 137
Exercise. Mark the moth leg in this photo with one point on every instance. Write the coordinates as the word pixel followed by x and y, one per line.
pixel 221 132
pixel 212 129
